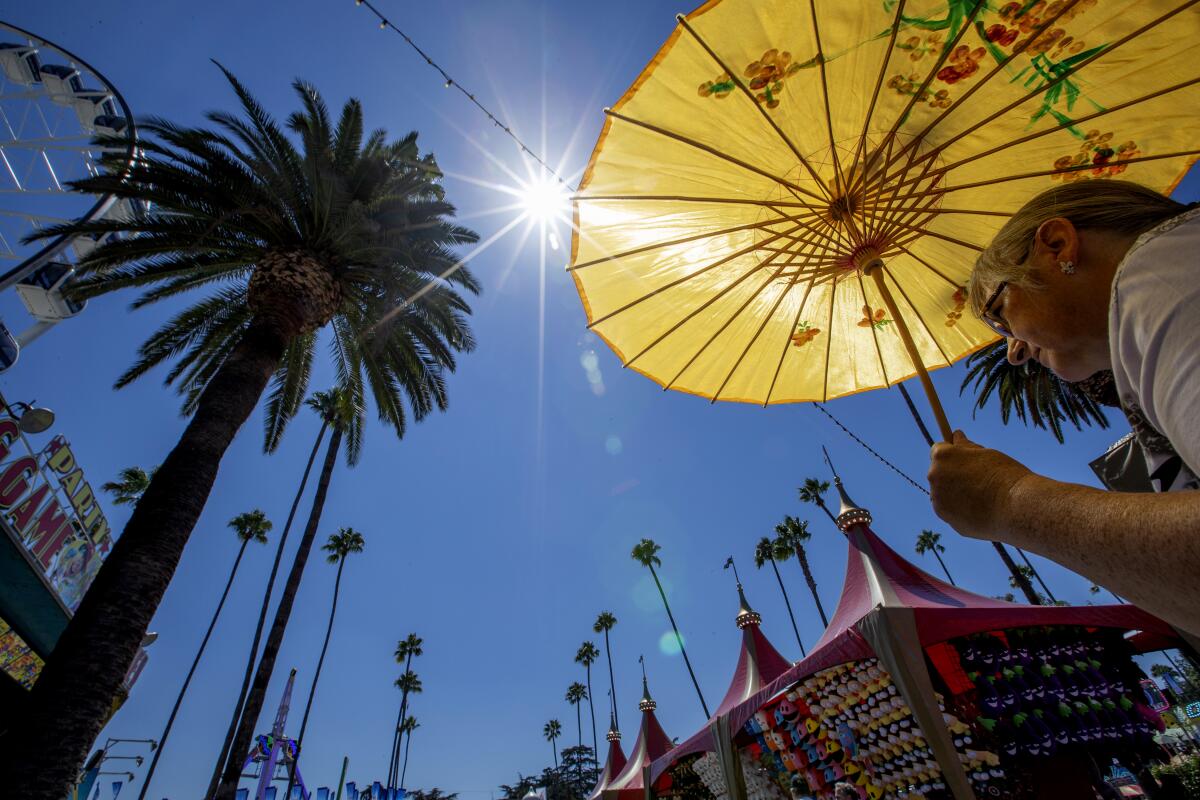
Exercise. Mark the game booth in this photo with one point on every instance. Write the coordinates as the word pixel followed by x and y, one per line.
pixel 921 689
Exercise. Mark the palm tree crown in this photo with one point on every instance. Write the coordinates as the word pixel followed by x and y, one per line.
pixel 552 730
pixel 251 526
pixel 576 693
pixel 587 654
pixel 129 486
pixel 928 541
pixel 409 682
pixel 342 544
pixel 645 553
pixel 343 228
pixel 605 621
pixel 813 491
pixel 764 552
pixel 1029 388
pixel 410 646
pixel 790 534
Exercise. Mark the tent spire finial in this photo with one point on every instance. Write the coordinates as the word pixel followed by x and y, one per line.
pixel 647 703
pixel 746 614
pixel 613 734
pixel 850 514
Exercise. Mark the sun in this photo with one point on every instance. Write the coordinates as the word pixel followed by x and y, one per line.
pixel 544 199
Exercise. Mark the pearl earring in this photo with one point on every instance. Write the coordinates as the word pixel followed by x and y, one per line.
pixel 1068 267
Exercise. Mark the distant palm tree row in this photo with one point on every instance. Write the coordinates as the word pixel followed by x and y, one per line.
pixel 294 231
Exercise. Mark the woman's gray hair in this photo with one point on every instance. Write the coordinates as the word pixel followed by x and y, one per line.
pixel 1116 206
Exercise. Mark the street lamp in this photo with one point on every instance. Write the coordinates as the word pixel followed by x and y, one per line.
pixel 137 759
pixel 152 742
pixel 32 419
pixel 128 775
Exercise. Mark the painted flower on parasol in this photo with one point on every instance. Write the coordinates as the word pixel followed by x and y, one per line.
pixel 787 203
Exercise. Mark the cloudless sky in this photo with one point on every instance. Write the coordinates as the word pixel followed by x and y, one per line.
pixel 498 530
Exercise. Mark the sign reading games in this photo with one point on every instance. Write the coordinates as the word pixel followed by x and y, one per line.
pixel 46 500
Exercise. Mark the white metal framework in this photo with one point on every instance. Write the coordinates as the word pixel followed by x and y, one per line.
pixel 52 106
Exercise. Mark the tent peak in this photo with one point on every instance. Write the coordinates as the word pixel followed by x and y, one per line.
pixel 850 513
pixel 647 703
pixel 613 734
pixel 746 615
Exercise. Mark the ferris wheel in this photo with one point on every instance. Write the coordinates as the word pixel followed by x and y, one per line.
pixel 52 106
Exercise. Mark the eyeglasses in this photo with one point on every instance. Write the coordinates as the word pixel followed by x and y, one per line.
pixel 993 318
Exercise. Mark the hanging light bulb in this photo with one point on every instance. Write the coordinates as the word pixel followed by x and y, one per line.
pixel 449 83
pixel 383 24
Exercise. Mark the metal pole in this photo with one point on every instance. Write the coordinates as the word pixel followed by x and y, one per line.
pixel 342 779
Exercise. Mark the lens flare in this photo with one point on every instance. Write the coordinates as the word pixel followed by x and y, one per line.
pixel 668 644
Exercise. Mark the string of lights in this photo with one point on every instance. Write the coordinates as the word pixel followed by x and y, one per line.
pixel 451 83
pixel 868 448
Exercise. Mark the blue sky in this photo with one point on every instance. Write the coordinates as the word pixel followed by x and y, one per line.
pixel 498 530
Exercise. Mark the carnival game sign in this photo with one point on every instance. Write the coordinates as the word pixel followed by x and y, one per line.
pixel 46 500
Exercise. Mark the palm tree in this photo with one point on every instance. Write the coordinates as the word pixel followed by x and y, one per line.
pixel 576 694
pixel 338 546
pixel 645 553
pixel 344 418
pixel 252 526
pixel 1020 576
pixel 813 491
pixel 552 730
pixel 764 552
pixel 791 534
pixel 930 542
pixel 408 648
pixel 605 622
pixel 290 230
pixel 587 655
pixel 409 725
pixel 130 485
pixel 1032 389
pixel 408 683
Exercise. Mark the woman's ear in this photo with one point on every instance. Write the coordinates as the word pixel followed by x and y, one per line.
pixel 1058 238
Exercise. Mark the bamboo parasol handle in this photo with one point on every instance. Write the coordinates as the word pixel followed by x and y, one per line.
pixel 874 268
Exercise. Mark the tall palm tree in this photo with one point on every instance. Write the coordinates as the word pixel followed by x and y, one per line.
pixel 409 725
pixel 605 622
pixel 790 536
pixel 587 655
pixel 409 684
pixel 764 552
pixel 252 526
pixel 265 607
pixel 813 491
pixel 337 547
pixel 1030 389
pixel 408 648
pixel 576 694
pixel 645 553
pixel 552 730
pixel 289 230
pixel 344 418
pixel 130 485
pixel 930 542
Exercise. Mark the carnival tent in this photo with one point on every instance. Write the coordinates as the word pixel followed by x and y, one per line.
pixel 615 761
pixel 652 743
pixel 891 609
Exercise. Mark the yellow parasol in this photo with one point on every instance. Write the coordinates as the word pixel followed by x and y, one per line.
pixel 787 203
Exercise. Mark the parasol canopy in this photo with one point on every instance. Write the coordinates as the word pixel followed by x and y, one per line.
pixel 788 201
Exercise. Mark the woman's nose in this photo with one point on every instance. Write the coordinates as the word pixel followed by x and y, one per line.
pixel 1018 352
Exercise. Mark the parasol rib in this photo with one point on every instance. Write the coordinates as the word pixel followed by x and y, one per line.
pixel 724 326
pixel 685 199
pixel 925 232
pixel 906 337
pixel 861 151
pixel 912 101
pixel 684 279
pixel 829 339
pixel 920 319
pixel 1051 84
pixel 925 263
pixel 671 243
pixel 871 324
pixel 787 341
pixel 750 95
pixel 1064 125
pixel 712 151
pixel 1033 36
pixel 837 162
pixel 1076 168
pixel 761 327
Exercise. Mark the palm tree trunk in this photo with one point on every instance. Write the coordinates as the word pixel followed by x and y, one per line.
pixel 679 639
pixel 248 675
pixel 821 504
pixel 266 665
pixel 398 734
pixel 592 707
pixel 912 409
pixel 337 585
pixel 73 695
pixel 162 739
pixel 554 746
pixel 943 563
pixel 802 557
pixel 1018 576
pixel 788 603
pixel 1037 575
pixel 407 744
pixel 579 730
pixel 612 685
